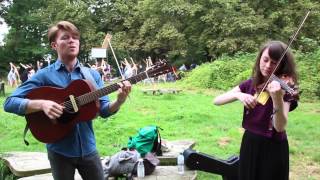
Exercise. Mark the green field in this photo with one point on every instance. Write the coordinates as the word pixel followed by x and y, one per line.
pixel 187 115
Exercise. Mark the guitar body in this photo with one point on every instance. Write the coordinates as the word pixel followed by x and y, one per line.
pixel 84 96
pixel 41 126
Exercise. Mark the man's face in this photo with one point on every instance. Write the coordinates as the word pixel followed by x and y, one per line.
pixel 66 45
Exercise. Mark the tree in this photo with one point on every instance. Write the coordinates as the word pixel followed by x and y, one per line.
pixel 182 31
pixel 24 41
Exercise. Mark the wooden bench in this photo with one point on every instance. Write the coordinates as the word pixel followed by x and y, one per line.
pixel 169 91
pixel 47 176
pixel 161 91
pixel 169 157
pixel 150 91
pixel 36 166
pixel 161 172
pixel 24 164
pixel 171 173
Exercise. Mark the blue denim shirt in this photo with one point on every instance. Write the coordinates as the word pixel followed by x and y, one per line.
pixel 81 140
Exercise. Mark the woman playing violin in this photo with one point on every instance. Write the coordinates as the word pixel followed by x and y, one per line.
pixel 264 152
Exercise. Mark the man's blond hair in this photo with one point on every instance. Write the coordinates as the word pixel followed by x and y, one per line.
pixel 62 25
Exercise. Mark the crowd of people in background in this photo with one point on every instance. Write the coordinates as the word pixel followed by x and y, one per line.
pixel 103 68
pixel 22 72
pixel 13 75
pixel 128 68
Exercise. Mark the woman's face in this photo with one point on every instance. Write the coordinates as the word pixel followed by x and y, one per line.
pixel 266 64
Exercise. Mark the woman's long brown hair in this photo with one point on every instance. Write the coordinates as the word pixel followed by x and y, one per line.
pixel 286 67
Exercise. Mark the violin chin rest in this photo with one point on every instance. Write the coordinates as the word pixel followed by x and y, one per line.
pixel 263 98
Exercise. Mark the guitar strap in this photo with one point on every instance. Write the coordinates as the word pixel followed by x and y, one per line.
pixel 26 128
pixel 86 75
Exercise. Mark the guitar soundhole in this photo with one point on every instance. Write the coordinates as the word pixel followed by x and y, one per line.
pixel 67 116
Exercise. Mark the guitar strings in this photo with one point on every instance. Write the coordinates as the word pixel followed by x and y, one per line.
pixel 86 97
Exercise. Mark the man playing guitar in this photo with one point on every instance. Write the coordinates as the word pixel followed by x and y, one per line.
pixel 76 150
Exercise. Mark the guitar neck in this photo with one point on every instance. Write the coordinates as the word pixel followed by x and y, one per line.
pixel 95 95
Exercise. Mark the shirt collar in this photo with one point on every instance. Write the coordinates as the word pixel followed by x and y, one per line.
pixel 59 65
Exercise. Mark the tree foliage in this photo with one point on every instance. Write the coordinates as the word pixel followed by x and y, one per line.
pixel 182 31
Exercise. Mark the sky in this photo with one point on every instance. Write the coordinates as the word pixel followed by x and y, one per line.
pixel 3 30
pixel 3 25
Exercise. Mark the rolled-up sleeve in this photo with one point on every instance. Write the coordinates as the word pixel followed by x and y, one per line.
pixel 104 107
pixel 17 102
pixel 104 100
pixel 16 105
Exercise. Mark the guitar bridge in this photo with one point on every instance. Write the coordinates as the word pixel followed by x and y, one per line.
pixel 74 103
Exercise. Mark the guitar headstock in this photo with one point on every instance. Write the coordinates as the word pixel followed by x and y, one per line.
pixel 159 68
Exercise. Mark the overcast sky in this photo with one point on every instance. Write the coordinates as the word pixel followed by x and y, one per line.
pixel 3 30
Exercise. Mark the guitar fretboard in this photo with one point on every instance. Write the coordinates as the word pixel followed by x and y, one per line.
pixel 94 95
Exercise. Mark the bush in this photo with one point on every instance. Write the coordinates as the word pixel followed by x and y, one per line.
pixel 227 72
pixel 5 172
pixel 309 74
pixel 223 73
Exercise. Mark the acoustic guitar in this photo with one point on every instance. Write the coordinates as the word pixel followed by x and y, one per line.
pixel 81 102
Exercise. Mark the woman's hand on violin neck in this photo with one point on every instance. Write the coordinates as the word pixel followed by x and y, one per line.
pixel 274 89
pixel 248 100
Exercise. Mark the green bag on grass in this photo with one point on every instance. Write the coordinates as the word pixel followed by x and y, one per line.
pixel 147 140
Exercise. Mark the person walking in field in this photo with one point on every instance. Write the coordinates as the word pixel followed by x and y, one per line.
pixel 13 76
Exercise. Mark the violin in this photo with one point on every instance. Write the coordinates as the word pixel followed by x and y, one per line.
pixel 286 83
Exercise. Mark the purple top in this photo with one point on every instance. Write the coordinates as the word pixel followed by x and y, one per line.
pixel 259 119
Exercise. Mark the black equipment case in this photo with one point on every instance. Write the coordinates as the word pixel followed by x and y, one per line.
pixel 228 169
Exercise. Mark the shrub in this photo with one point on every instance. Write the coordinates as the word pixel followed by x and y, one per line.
pixel 5 172
pixel 223 73
pixel 227 72
pixel 309 74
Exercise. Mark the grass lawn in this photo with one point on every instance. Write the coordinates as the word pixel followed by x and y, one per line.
pixel 187 115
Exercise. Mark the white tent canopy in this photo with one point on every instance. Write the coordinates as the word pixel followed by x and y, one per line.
pixel 98 52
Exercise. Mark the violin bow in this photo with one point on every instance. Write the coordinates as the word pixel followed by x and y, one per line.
pixel 285 51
